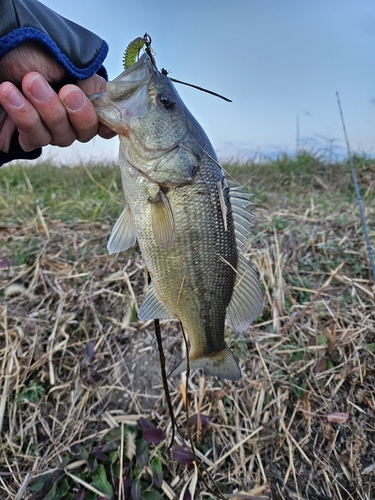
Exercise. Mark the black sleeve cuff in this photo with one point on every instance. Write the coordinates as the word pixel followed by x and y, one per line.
pixel 79 51
pixel 17 153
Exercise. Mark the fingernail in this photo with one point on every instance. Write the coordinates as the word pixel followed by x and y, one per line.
pixel 39 88
pixel 14 98
pixel 74 100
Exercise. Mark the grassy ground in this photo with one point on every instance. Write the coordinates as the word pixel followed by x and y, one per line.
pixel 77 371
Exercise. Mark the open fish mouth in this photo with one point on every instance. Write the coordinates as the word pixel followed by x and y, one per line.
pixel 127 96
pixel 127 84
pixel 124 86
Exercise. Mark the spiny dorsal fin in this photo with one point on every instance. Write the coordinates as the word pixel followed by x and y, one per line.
pixel 123 233
pixel 162 220
pixel 247 298
pixel 242 217
pixel 152 307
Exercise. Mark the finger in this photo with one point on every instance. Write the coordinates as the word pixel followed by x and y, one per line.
pixel 51 110
pixel 6 133
pixel 93 85
pixel 3 115
pixel 29 56
pixel 32 131
pixel 81 112
pixel 105 132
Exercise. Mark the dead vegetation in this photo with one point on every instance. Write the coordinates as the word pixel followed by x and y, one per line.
pixel 75 364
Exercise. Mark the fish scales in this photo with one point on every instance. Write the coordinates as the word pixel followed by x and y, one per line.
pixel 179 209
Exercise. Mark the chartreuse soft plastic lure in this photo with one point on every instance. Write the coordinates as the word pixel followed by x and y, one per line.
pixel 132 52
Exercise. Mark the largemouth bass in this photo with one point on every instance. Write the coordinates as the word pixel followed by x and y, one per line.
pixel 188 223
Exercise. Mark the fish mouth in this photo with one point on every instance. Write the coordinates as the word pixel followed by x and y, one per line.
pixel 129 91
pixel 126 96
pixel 126 85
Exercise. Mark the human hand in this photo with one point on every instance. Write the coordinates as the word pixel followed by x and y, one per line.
pixel 40 115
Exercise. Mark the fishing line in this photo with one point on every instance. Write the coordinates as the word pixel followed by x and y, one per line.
pixel 358 194
pixel 147 39
pixel 164 378
pixel 165 72
pixel 188 426
pixel 132 53
pixel 170 407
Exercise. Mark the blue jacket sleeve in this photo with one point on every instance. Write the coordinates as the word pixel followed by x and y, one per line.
pixel 80 52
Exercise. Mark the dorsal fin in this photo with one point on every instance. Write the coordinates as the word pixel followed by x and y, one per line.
pixel 242 217
pixel 123 233
pixel 247 298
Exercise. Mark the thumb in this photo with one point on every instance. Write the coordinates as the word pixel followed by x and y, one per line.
pixel 93 85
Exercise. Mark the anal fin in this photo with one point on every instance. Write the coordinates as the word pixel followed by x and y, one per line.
pixel 152 307
pixel 123 233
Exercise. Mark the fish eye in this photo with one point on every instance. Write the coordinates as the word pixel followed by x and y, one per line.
pixel 167 101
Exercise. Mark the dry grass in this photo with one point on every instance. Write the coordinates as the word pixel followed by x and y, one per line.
pixel 75 364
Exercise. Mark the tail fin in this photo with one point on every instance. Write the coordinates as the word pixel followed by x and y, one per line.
pixel 221 364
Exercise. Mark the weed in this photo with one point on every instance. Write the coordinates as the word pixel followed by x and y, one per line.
pixel 122 461
pixel 33 393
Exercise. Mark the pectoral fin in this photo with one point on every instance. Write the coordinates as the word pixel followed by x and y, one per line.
pixel 247 298
pixel 153 308
pixel 162 221
pixel 123 233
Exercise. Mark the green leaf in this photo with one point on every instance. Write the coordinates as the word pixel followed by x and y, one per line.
pixel 90 495
pixel 112 457
pixel 297 356
pixel 151 495
pixel 320 339
pixel 66 460
pixel 157 471
pixel 371 347
pixel 92 463
pixel 113 435
pixel 38 483
pixel 136 489
pixel 69 496
pixel 80 451
pixel 330 364
pixel 299 390
pixel 142 452
pixel 62 490
pixel 52 493
pixel 100 481
pixel 204 448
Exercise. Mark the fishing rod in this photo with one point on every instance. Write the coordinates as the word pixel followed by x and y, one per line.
pixel 358 195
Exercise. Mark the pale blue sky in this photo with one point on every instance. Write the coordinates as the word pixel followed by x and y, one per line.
pixel 276 59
